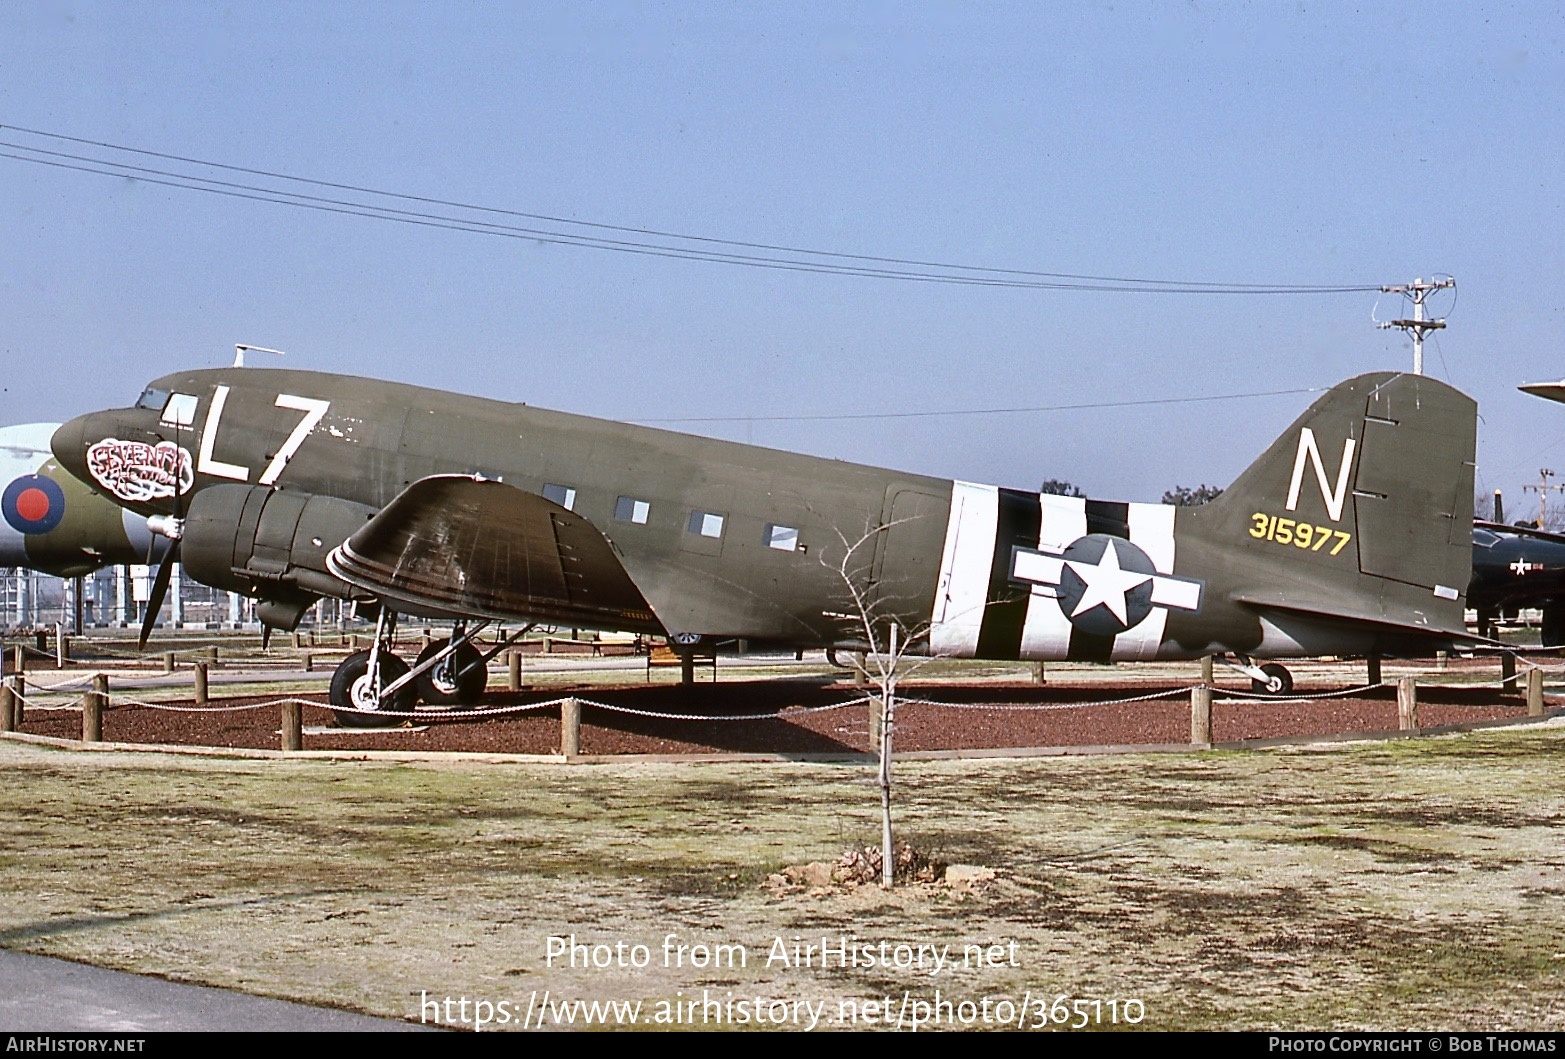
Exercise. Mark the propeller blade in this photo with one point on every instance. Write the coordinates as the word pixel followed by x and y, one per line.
pixel 266 636
pixel 159 590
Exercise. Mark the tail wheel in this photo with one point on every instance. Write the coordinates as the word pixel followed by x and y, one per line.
pixel 458 680
pixel 353 692
pixel 1278 680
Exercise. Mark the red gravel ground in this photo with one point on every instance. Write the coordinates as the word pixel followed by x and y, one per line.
pixel 971 716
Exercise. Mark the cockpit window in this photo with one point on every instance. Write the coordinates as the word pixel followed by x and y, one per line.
pixel 153 399
pixel 1482 538
pixel 180 411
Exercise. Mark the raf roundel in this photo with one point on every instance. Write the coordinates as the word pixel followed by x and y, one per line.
pixel 33 504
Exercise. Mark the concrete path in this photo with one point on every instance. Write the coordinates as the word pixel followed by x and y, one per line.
pixel 39 994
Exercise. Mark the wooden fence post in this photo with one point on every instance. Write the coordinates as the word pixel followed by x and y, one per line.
pixel 7 706
pixel 201 691
pixel 1407 704
pixel 1534 692
pixel 293 726
pixel 92 709
pixel 1206 670
pixel 168 661
pixel 1201 715
pixel 513 665
pixel 570 728
pixel 1508 670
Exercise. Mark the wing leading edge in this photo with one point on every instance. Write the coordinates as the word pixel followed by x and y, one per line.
pixel 452 546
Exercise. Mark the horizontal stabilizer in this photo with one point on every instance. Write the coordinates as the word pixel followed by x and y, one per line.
pixel 1342 611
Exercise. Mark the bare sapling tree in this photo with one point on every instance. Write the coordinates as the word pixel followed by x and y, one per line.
pixel 888 648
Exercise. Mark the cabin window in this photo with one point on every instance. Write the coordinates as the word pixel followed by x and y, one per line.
pixel 629 509
pixel 783 538
pixel 706 524
pixel 180 411
pixel 563 495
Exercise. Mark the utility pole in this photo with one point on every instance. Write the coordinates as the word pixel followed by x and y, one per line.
pixel 1542 489
pixel 1417 291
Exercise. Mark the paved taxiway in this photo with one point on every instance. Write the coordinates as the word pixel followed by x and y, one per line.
pixel 43 995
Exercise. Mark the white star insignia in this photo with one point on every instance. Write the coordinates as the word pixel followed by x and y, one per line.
pixel 1106 584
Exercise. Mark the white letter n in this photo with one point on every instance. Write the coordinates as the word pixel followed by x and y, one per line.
pixel 1332 497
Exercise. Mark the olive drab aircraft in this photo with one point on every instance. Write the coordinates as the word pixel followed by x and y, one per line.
pixel 52 522
pixel 1352 534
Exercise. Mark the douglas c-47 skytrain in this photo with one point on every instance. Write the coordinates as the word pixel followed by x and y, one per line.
pixel 1350 535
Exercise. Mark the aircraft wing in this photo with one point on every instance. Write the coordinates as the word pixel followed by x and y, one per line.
pixel 453 546
pixel 1520 531
pixel 1552 391
pixel 1337 612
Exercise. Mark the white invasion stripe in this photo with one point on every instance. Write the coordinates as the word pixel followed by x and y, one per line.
pixel 1046 634
pixel 1151 530
pixel 1064 519
pixel 963 588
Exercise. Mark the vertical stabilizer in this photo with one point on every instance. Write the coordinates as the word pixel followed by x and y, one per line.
pixel 1362 508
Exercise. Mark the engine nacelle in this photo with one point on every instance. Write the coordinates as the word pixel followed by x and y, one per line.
pixel 270 544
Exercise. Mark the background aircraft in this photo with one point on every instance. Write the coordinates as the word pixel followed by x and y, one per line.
pixel 1350 535
pixel 1516 567
pixel 1520 565
pixel 51 521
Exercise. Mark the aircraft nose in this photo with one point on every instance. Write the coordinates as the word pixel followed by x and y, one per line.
pixel 70 446
pixel 72 440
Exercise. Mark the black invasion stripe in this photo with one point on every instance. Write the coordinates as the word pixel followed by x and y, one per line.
pixel 1090 647
pixel 1107 516
pixel 1113 519
pixel 1005 612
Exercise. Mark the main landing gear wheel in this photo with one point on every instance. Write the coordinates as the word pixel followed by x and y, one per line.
pixel 353 691
pixel 1553 632
pixel 1278 680
pixel 458 680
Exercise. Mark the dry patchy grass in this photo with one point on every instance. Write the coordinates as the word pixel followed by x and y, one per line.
pixel 1414 884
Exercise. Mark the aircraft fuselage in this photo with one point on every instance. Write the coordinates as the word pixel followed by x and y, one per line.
pixel 730 540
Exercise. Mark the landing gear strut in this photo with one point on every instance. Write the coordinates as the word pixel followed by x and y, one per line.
pixel 451 671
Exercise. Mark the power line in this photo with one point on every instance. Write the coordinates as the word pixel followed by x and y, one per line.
pixel 695 247
pixel 982 411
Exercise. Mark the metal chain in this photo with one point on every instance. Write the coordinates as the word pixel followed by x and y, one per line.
pixel 1044 705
